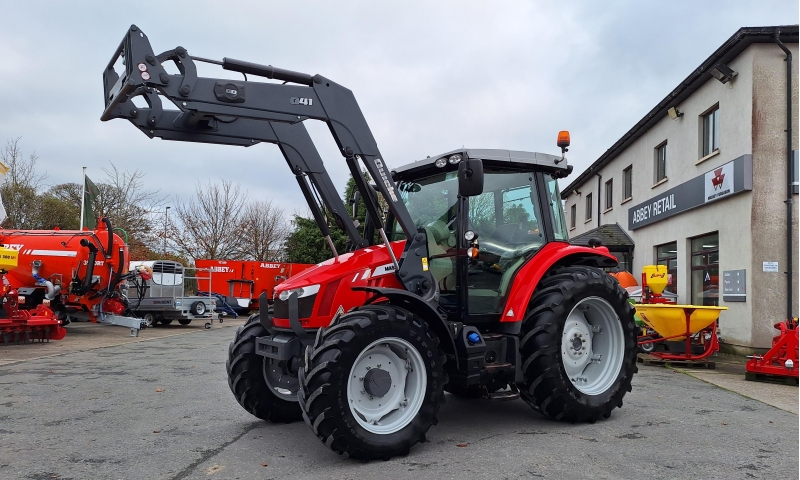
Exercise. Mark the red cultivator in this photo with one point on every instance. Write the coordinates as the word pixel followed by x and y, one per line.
pixel 781 360
pixel 22 326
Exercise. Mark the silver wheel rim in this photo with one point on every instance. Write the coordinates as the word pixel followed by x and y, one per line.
pixel 592 346
pixel 149 320
pixel 394 410
pixel 201 309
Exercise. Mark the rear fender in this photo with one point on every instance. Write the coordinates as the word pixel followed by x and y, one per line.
pixel 418 306
pixel 551 256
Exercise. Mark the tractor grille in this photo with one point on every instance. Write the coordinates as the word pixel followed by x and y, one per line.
pixel 305 306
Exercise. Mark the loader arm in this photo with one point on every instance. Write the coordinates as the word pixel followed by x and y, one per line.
pixel 243 113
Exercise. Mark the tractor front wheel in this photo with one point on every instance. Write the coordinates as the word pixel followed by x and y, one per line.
pixel 578 345
pixel 372 384
pixel 247 378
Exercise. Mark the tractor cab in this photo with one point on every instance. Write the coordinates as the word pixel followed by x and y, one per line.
pixel 478 242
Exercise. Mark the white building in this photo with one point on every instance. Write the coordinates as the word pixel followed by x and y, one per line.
pixel 703 184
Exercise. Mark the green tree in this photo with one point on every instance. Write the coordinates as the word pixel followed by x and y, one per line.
pixel 21 187
pixel 307 245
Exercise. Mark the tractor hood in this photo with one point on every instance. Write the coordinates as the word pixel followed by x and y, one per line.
pixel 327 288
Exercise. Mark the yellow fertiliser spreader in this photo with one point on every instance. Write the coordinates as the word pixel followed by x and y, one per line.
pixel 694 324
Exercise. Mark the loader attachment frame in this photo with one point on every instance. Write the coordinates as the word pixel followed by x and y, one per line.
pixel 244 113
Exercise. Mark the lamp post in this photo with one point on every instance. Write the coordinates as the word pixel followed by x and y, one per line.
pixel 166 222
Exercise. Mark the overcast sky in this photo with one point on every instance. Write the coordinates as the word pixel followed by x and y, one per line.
pixel 429 76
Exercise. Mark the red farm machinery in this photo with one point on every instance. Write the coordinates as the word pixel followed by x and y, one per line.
pixel 474 288
pixel 246 280
pixel 61 276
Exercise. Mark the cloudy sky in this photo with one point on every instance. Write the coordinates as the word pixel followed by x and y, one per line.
pixel 429 76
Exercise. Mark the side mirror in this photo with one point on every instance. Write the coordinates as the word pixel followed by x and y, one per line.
pixel 470 177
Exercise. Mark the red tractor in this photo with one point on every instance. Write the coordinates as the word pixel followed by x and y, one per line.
pixel 474 289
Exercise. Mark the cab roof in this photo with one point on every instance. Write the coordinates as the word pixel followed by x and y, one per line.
pixel 494 158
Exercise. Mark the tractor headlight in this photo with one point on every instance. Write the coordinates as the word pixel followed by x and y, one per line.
pixel 469 235
pixel 454 159
pixel 441 162
pixel 301 292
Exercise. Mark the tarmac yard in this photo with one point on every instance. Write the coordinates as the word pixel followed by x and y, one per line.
pixel 102 405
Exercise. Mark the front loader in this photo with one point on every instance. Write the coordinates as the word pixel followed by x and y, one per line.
pixel 473 288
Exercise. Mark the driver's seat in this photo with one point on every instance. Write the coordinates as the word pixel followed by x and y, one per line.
pixel 443 268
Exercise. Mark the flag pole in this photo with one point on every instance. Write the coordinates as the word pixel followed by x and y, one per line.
pixel 83 197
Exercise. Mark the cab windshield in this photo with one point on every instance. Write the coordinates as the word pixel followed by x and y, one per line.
pixel 506 219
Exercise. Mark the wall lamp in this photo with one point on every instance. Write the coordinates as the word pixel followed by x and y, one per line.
pixel 576 192
pixel 674 113
pixel 723 73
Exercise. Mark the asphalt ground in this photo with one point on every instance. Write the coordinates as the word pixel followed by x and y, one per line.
pixel 160 408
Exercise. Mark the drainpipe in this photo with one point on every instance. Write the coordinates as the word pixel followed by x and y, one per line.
pixel 789 178
pixel 599 196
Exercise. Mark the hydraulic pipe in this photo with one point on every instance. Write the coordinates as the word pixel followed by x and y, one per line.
pixel 789 176
pixel 266 71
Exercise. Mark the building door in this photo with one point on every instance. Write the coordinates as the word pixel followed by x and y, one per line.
pixel 705 270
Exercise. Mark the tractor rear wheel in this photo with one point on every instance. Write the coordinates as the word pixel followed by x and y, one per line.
pixel 247 377
pixel 372 384
pixel 578 345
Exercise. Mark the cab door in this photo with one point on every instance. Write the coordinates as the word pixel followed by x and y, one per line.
pixel 507 220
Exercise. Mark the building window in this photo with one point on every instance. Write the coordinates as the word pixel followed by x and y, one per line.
pixel 572 214
pixel 609 194
pixel 667 255
pixel 711 131
pixel 589 206
pixel 627 183
pixel 705 270
pixel 661 162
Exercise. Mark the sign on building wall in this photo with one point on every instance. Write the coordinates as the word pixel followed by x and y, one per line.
pixel 771 267
pixel 729 179
pixel 734 285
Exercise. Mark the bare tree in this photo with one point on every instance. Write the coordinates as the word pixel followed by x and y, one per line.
pixel 20 189
pixel 208 225
pixel 128 204
pixel 264 229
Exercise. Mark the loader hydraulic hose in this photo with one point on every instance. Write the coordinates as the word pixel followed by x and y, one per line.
pixel 110 237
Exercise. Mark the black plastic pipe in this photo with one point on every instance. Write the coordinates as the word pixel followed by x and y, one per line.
pixel 110 229
pixel 789 176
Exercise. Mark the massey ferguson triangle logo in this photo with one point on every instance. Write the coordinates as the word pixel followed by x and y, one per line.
pixel 718 178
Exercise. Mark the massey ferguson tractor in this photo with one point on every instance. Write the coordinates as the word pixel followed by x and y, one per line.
pixel 474 289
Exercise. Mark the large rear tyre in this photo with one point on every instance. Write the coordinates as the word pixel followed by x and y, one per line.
pixel 372 385
pixel 246 377
pixel 578 345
